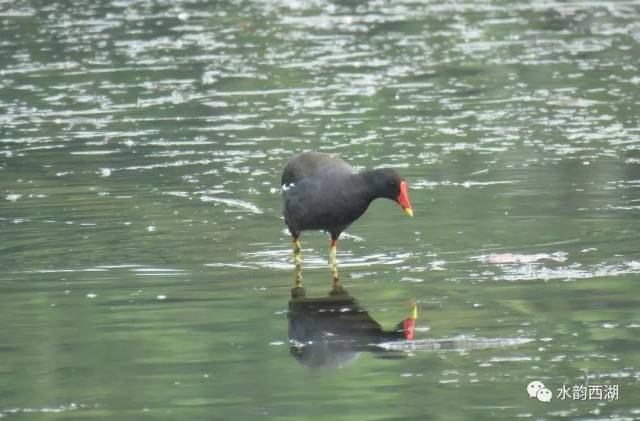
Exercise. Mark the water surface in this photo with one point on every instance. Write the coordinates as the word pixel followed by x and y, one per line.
pixel 145 270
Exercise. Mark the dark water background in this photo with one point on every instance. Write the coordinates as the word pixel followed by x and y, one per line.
pixel 144 269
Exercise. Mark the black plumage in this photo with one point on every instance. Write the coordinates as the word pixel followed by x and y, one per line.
pixel 322 192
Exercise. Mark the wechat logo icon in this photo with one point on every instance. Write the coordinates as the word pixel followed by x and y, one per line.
pixel 536 389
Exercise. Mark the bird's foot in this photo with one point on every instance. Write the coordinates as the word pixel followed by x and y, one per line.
pixel 297 292
pixel 337 290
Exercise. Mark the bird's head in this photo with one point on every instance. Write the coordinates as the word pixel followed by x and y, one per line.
pixel 389 184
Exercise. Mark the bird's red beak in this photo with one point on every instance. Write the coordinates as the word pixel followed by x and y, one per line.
pixel 403 198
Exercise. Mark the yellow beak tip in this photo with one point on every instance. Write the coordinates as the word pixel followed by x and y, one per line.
pixel 409 212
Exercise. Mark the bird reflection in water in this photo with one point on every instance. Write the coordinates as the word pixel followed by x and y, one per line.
pixel 332 330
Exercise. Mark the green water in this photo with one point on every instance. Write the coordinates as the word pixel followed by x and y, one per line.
pixel 145 272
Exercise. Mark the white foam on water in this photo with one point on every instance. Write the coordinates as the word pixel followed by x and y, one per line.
pixel 425 184
pixel 536 271
pixel 235 203
pixel 458 343
pixel 505 258
pixel 96 152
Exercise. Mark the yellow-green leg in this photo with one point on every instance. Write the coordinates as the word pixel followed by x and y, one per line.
pixel 333 261
pixel 297 260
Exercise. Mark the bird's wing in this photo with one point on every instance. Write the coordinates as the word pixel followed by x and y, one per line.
pixel 308 163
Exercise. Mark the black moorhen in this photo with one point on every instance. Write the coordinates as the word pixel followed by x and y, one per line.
pixel 323 192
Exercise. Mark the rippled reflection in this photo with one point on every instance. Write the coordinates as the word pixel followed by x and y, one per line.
pixel 332 330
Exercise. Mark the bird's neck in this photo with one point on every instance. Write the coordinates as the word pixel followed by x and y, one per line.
pixel 370 182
